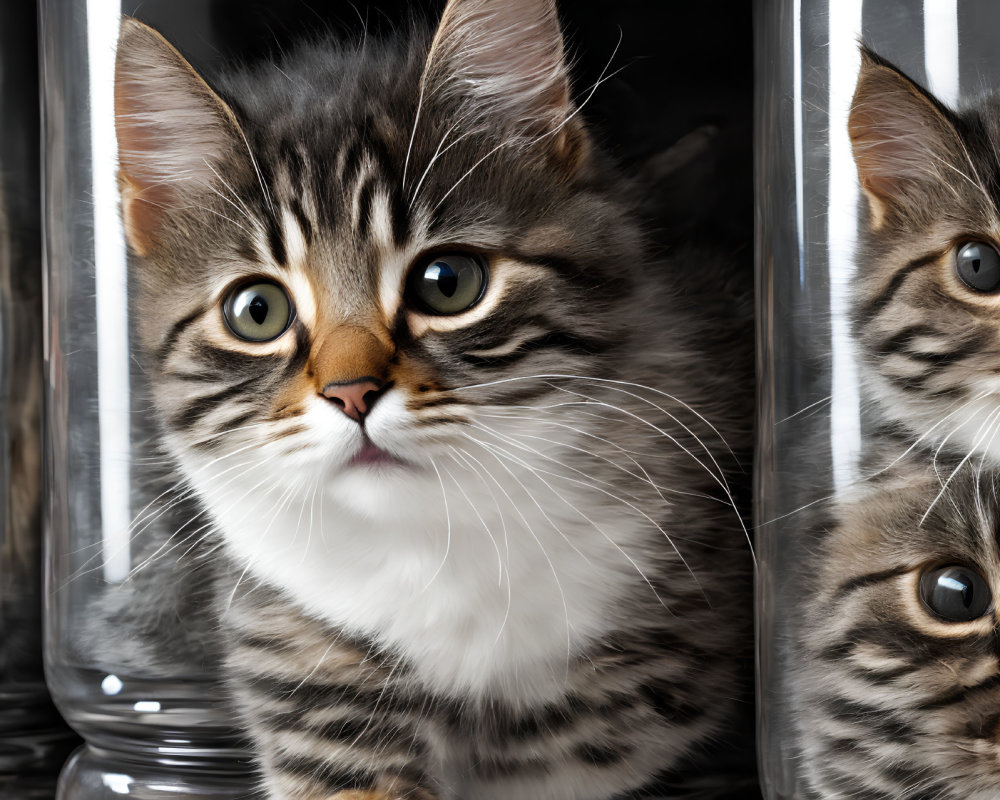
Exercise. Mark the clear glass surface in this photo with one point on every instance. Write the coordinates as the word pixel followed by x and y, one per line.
pixel 33 739
pixel 813 420
pixel 130 644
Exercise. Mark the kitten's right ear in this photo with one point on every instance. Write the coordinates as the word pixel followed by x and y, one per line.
pixel 506 60
pixel 902 138
pixel 173 131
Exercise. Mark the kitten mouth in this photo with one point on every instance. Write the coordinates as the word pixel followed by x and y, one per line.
pixel 371 455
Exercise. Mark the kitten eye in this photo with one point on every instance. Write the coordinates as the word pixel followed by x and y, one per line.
pixel 978 266
pixel 448 284
pixel 955 593
pixel 258 312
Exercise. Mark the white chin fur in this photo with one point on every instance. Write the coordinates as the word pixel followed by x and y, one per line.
pixel 383 493
pixel 969 427
pixel 462 573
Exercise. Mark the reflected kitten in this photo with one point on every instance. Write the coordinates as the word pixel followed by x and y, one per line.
pixel 898 682
pixel 461 434
pixel 928 269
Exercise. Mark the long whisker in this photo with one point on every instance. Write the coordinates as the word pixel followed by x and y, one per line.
pixel 520 462
pixel 437 154
pixel 944 486
pixel 596 527
pixel 490 448
pixel 913 446
pixel 496 547
pixel 465 457
pixel 597 379
pixel 447 512
pixel 629 454
pixel 531 532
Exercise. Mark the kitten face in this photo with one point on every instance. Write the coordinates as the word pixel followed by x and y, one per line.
pixel 901 687
pixel 928 271
pixel 347 213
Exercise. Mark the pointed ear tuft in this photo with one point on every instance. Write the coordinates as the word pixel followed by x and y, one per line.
pixel 506 58
pixel 173 131
pixel 901 136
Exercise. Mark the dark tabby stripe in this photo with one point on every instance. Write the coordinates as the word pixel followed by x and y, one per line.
pixel 295 206
pixel 324 774
pixel 552 340
pixel 276 240
pixel 863 581
pixel 196 410
pixel 883 299
pixel 230 362
pixel 303 347
pixel 612 287
pixel 963 694
pixel 365 198
pixel 178 328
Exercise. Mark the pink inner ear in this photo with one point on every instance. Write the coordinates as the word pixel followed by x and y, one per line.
pixel 172 129
pixel 898 136
pixel 508 56
pixel 889 150
pixel 145 193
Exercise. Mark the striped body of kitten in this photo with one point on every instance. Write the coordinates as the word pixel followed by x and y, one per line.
pixel 928 271
pixel 898 684
pixel 460 433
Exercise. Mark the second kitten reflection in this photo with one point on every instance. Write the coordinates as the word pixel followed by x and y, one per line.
pixel 899 683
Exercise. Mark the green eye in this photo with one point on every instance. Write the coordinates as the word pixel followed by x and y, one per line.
pixel 448 284
pixel 258 312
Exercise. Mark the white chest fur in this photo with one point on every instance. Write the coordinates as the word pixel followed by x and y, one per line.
pixel 483 585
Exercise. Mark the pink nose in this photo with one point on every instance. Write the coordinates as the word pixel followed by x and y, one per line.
pixel 354 398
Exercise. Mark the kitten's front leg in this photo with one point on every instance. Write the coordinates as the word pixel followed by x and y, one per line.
pixel 281 786
pixel 320 738
pixel 330 717
pixel 353 794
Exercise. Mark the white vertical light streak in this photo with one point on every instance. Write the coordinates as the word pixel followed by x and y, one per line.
pixel 800 226
pixel 103 21
pixel 842 232
pixel 941 49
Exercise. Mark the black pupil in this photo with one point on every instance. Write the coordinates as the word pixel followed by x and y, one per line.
pixel 447 279
pixel 258 309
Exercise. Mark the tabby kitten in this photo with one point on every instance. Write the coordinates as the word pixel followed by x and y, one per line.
pixel 460 433
pixel 928 276
pixel 898 693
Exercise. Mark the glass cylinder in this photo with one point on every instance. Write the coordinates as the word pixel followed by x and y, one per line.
pixel 130 644
pixel 869 431
pixel 33 739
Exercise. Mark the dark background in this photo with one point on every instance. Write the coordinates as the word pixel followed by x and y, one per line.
pixel 680 65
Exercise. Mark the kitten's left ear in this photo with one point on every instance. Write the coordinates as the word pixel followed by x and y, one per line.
pixel 904 141
pixel 175 135
pixel 506 58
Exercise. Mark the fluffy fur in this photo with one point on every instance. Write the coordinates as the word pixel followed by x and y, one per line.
pixel 545 593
